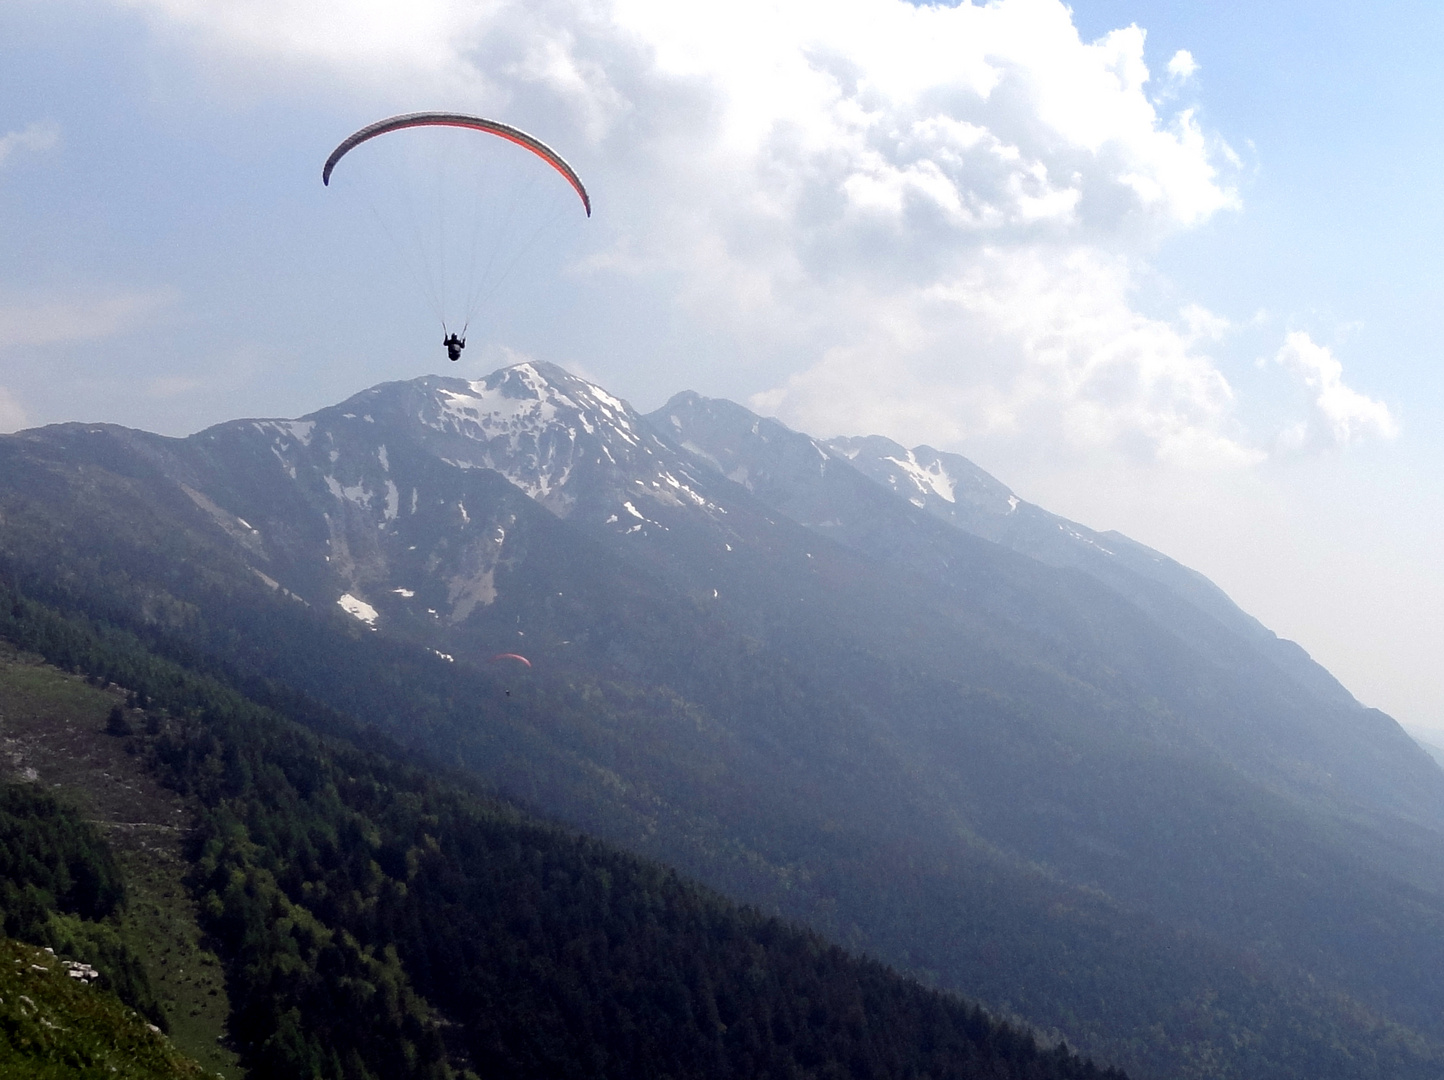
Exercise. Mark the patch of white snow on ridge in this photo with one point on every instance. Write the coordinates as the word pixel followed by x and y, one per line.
pixel 381 457
pixel 607 399
pixel 358 609
pixel 934 478
pixel 684 490
pixel 290 469
pixel 1012 504
pixel 393 498
pixel 300 430
pixel 629 508
pixel 408 593
pixel 1076 535
pixel 359 494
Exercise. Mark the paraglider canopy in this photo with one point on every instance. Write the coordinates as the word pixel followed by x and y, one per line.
pixel 461 120
pixel 511 656
pixel 464 201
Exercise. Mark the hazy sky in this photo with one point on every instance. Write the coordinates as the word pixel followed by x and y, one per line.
pixel 1167 269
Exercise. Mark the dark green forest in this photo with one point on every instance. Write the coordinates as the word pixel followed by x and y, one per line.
pixel 60 888
pixel 381 920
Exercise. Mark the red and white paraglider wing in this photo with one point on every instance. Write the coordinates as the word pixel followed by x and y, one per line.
pixel 461 120
pixel 511 656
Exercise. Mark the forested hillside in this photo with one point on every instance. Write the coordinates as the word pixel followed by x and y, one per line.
pixel 376 920
pixel 60 888
pixel 1002 775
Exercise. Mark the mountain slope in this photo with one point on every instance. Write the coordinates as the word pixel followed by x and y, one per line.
pixel 379 921
pixel 55 1027
pixel 955 490
pixel 1010 776
pixel 1361 756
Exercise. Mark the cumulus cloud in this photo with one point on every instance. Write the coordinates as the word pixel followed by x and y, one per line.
pixel 12 414
pixel 1340 415
pixel 894 212
pixel 34 138
pixel 1183 65
pixel 1036 348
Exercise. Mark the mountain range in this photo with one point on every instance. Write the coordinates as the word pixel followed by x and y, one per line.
pixel 862 686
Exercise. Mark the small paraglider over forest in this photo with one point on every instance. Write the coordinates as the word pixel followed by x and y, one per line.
pixel 463 202
pixel 510 656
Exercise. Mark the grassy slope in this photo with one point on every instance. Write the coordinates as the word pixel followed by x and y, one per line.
pixel 54 1027
pixel 52 730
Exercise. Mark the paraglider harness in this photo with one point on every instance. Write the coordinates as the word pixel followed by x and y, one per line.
pixel 454 345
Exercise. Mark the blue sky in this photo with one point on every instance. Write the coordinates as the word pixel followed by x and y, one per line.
pixel 1199 307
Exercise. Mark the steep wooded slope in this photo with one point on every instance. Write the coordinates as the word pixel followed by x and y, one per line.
pixel 377 920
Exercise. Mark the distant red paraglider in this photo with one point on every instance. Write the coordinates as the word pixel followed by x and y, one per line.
pixel 510 656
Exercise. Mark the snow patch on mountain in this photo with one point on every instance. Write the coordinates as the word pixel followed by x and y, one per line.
pixel 1067 527
pixel 934 479
pixel 297 431
pixel 288 466
pixel 553 436
pixel 358 609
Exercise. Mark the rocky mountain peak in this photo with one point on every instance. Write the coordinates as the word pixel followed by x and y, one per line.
pixel 929 479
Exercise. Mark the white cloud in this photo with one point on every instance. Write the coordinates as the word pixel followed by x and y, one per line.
pixel 927 212
pixel 12 413
pixel 44 320
pixel 35 138
pixel 1035 352
pixel 1183 65
pixel 1204 325
pixel 1340 414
